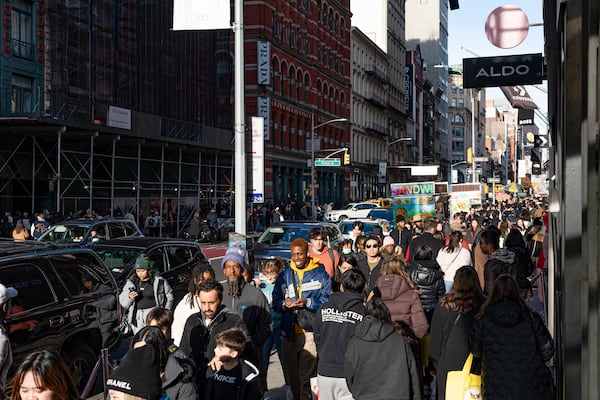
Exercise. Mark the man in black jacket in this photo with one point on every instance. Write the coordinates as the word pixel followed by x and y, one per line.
pixel 401 234
pixel 333 326
pixel 199 335
pixel 426 238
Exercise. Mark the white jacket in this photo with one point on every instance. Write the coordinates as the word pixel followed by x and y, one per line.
pixel 451 262
pixel 180 315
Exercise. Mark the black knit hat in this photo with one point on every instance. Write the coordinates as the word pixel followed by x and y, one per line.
pixel 138 374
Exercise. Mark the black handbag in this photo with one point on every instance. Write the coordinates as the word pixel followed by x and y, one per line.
pixel 304 317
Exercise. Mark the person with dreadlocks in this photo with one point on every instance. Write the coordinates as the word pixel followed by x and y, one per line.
pixel 247 301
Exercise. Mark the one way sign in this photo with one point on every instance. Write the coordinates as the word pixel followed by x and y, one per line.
pixel 541 142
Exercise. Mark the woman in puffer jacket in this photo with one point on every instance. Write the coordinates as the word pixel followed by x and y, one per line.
pixel 401 296
pixel 427 275
pixel 513 344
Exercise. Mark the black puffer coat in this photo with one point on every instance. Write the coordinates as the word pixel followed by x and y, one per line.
pixel 429 277
pixel 513 344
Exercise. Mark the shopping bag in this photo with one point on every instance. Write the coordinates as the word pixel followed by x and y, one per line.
pixel 314 387
pixel 463 385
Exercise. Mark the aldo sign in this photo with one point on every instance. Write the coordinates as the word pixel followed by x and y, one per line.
pixel 524 69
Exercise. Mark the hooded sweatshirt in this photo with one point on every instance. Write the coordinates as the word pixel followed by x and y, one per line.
pixel 312 283
pixel 333 326
pixel 403 302
pixel 379 364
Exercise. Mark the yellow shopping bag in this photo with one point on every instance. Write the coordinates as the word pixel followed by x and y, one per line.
pixel 463 385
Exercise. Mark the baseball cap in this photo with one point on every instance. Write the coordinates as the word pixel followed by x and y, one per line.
pixel 7 293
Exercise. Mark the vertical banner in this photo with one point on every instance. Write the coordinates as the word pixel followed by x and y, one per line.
pixel 264 110
pixel 258 161
pixel 197 15
pixel 381 176
pixel 408 89
pixel 263 63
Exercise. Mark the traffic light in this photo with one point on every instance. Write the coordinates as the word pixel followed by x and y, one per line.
pixel 470 155
pixel 346 158
pixel 453 4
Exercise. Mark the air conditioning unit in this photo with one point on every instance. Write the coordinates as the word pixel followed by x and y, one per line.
pixel 356 170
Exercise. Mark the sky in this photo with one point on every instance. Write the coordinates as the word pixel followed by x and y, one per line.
pixel 466 29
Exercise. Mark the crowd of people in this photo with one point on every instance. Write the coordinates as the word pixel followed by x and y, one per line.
pixel 378 318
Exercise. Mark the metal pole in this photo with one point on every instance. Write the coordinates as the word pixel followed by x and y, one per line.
pixel 473 135
pixel 313 209
pixel 240 156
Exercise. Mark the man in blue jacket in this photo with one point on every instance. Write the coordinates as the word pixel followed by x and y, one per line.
pixel 333 326
pixel 302 287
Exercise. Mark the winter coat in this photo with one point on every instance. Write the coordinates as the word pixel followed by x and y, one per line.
pixel 401 238
pixel 178 381
pixel 449 343
pixel 427 275
pixel 248 388
pixel 313 284
pixel 425 239
pixel 252 306
pixel 525 267
pixel 5 359
pixel 333 326
pixel 370 274
pixel 500 262
pixel 163 295
pixel 451 262
pixel 403 302
pixel 513 345
pixel 198 340
pixel 182 312
pixel 379 364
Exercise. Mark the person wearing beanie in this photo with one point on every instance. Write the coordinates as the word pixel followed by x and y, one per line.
pixel 246 300
pixel 5 350
pixel 305 285
pixel 138 375
pixel 401 234
pixel 389 249
pixel 143 291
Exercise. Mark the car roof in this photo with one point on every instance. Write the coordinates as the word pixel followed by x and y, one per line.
pixel 10 248
pixel 143 242
pixel 299 223
pixel 91 221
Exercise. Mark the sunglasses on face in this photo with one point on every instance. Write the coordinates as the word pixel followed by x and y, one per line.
pixel 371 246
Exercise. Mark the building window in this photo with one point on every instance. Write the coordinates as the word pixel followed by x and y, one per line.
pixel 223 75
pixel 453 88
pixel 457 118
pixel 458 132
pixel 461 90
pixel 22 94
pixel 453 102
pixel 22 29
pixel 461 102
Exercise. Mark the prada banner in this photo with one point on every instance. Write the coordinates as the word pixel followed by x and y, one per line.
pixel 524 69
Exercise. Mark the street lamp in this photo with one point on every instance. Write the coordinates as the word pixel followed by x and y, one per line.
pixel 312 159
pixel 404 139
pixel 452 168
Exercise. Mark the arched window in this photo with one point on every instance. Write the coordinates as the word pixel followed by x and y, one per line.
pixel 457 118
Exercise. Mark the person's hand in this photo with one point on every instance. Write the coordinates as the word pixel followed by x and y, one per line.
pixel 133 294
pixel 289 303
pixel 300 303
pixel 215 364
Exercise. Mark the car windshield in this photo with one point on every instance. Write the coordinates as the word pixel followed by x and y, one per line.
pixel 346 227
pixel 282 235
pixel 117 259
pixel 65 233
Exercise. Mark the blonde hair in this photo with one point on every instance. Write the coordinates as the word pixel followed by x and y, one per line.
pixel 397 266
pixel 273 265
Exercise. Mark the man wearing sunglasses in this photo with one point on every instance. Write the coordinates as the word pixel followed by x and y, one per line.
pixel 371 264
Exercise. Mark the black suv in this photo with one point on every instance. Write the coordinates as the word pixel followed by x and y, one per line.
pixel 84 230
pixel 67 301
pixel 172 258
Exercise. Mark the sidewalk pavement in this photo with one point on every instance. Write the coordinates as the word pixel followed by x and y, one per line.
pixel 275 379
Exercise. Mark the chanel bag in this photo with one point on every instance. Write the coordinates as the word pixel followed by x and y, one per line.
pixel 304 317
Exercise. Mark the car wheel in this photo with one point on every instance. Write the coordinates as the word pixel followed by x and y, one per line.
pixel 342 217
pixel 81 359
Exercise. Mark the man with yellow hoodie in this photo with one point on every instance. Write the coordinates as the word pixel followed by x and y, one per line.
pixel 302 287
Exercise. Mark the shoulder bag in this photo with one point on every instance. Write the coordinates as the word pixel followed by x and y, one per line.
pixel 463 385
pixel 304 317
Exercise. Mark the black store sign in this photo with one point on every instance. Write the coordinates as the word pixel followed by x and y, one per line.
pixel 524 69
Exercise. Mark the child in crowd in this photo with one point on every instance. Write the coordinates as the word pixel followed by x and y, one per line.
pixel 236 378
pixel 270 272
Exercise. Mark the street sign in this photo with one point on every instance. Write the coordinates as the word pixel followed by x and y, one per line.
pixel 522 69
pixel 540 141
pixel 493 180
pixel 481 159
pixel 328 162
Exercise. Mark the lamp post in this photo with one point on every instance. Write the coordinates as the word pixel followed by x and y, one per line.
pixel 404 139
pixel 473 134
pixel 313 208
pixel 452 169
